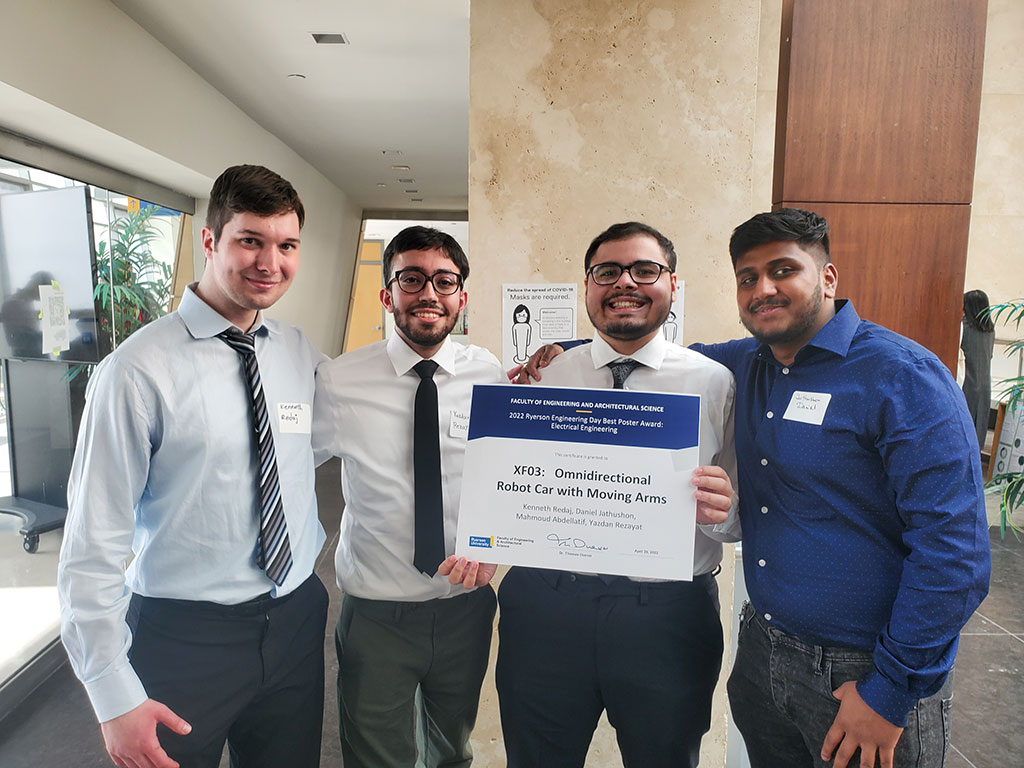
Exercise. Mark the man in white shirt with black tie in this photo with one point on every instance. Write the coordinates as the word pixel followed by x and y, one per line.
pixel 647 652
pixel 397 414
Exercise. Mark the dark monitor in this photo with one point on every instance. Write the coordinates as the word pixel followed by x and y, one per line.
pixel 47 277
pixel 43 413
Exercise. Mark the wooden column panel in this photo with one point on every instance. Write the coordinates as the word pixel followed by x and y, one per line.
pixel 877 129
pixel 902 266
pixel 879 100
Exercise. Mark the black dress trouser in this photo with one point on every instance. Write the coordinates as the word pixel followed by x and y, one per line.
pixel 572 646
pixel 251 674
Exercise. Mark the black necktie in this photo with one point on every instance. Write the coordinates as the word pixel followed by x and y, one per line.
pixel 426 463
pixel 621 371
pixel 275 552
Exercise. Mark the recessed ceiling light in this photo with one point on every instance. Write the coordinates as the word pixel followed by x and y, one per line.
pixel 391 152
pixel 407 181
pixel 381 184
pixel 412 191
pixel 417 199
pixel 329 38
pixel 400 168
pixel 296 76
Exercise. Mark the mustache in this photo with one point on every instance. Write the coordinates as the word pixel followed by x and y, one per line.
pixel 756 305
pixel 626 295
pixel 435 306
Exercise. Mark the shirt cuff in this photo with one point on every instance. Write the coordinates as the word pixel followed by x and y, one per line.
pixel 114 694
pixel 892 703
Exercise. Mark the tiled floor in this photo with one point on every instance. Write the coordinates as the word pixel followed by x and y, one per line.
pixel 54 728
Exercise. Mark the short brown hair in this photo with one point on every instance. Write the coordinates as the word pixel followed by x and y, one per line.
pixel 250 189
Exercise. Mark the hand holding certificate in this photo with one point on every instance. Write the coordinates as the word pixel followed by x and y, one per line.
pixel 593 480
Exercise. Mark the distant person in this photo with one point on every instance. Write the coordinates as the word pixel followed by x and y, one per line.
pixel 187 463
pixel 977 340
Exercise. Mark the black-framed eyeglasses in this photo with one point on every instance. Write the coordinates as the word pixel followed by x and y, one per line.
pixel 642 272
pixel 412 280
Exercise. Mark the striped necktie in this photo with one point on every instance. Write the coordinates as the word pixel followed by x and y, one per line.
pixel 275 552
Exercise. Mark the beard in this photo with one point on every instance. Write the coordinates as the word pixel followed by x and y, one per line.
pixel 426 337
pixel 799 327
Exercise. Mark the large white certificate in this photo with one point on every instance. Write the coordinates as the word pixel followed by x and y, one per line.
pixel 591 480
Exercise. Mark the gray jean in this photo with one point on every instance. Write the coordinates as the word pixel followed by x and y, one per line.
pixel 780 692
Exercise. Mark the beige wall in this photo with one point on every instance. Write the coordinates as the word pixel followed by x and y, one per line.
pixel 590 113
pixel 995 251
pixel 83 76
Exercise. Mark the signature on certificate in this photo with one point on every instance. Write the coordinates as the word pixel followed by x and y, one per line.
pixel 573 542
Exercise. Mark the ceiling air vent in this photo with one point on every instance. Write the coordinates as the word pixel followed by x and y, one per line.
pixel 329 38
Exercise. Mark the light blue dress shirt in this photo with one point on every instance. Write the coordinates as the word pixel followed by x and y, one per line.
pixel 164 469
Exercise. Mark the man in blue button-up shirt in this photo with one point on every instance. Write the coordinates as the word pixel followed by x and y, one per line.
pixel 865 540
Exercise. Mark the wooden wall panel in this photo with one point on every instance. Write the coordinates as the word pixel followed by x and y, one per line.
pixel 877 128
pixel 880 100
pixel 903 267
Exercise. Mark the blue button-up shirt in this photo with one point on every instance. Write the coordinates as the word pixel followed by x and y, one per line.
pixel 867 529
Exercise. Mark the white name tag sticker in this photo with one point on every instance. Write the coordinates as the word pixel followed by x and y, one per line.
pixel 293 418
pixel 808 407
pixel 459 426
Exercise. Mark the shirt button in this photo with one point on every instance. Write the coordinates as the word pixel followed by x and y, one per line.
pixel 785 371
pixel 767 617
pixel 764 510
pixel 764 462
pixel 771 415
pixel 761 563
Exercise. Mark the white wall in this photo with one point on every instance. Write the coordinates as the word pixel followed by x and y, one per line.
pixel 81 75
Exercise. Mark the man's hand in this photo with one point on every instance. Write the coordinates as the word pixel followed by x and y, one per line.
pixel 467 573
pixel 714 494
pixel 538 360
pixel 858 726
pixel 131 738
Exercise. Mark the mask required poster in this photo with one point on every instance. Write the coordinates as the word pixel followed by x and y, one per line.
pixel 592 480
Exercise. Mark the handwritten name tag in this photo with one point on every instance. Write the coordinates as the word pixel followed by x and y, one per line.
pixel 808 407
pixel 459 426
pixel 293 418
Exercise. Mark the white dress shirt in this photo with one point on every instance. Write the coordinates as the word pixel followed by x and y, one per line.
pixel 165 468
pixel 668 367
pixel 364 414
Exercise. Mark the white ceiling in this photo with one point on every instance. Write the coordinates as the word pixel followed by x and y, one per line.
pixel 402 83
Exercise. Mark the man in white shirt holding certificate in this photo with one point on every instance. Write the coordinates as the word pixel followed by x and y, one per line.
pixel 397 413
pixel 647 652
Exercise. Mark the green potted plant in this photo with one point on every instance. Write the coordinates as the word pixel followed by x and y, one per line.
pixel 132 285
pixel 1010 484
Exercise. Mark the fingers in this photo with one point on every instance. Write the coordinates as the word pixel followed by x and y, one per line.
pixel 832 739
pixel 447 565
pixel 468 573
pixel 164 715
pixel 514 373
pixel 887 757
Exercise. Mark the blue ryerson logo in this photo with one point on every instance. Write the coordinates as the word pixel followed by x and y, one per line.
pixel 481 541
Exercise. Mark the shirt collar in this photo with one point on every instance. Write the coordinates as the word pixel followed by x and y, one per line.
pixel 651 355
pixel 835 336
pixel 203 321
pixel 403 357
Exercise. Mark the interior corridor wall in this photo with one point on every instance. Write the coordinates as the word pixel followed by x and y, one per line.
pixel 587 114
pixel 81 75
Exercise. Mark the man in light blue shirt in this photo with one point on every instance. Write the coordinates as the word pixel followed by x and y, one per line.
pixel 194 456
